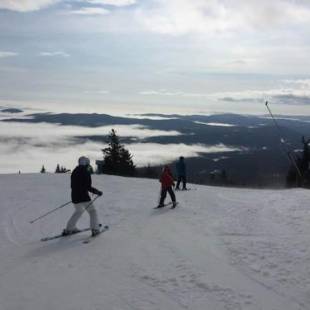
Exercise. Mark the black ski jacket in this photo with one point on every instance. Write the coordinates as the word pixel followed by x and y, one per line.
pixel 81 185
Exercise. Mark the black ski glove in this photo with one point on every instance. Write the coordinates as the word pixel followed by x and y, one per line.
pixel 96 191
pixel 99 193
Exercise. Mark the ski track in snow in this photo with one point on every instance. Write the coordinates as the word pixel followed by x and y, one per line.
pixel 220 249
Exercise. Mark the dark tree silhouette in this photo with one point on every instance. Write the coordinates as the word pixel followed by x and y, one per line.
pixel 304 165
pixel 293 177
pixel 150 172
pixel 116 159
pixel 57 169
pixel 61 169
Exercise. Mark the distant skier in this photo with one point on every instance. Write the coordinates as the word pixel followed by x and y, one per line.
pixel 181 173
pixel 81 184
pixel 166 180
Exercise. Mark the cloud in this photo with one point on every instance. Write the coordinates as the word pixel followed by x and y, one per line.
pixel 290 92
pixel 4 54
pixel 50 133
pixel 22 155
pixel 215 124
pixel 159 154
pixel 97 92
pixel 7 115
pixel 90 11
pixel 35 5
pixel 292 99
pixel 54 54
pixel 178 17
pixel 150 116
pixel 26 5
pixel 299 83
pixel 30 158
pixel 27 147
pixel 231 99
pixel 164 92
pixel 289 97
pixel 112 2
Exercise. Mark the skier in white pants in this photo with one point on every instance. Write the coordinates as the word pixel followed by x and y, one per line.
pixel 81 185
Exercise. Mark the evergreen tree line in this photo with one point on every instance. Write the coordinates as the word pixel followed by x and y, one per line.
pixel 117 160
pixel 299 173
pixel 59 169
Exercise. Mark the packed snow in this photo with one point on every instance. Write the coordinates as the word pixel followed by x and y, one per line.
pixel 220 249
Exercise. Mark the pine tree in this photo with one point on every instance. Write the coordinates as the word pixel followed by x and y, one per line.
pixel 126 163
pixel 117 160
pixel 57 169
pixel 293 177
pixel 304 166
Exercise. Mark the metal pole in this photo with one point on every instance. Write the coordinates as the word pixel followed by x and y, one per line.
pixel 287 151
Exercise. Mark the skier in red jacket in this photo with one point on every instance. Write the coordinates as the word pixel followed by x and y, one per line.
pixel 167 182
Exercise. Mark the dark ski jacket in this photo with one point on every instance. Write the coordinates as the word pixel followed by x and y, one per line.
pixel 81 185
pixel 181 168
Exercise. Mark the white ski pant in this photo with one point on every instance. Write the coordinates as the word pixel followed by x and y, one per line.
pixel 79 210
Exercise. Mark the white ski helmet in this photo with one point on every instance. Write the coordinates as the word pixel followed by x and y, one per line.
pixel 84 161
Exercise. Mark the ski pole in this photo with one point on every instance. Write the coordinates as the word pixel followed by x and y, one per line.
pixel 91 202
pixel 52 211
pixel 287 151
pixel 49 212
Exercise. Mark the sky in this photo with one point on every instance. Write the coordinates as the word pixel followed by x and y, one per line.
pixel 178 56
pixel 125 57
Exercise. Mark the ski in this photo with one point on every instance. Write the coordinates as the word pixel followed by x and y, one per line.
pixel 167 204
pixel 90 238
pixel 62 236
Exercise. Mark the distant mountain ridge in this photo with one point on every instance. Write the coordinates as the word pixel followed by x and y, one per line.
pixel 261 154
pixel 11 110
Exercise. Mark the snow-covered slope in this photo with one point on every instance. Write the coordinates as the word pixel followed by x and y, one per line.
pixel 221 249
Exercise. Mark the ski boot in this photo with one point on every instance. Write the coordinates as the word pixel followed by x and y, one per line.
pixel 160 206
pixel 95 232
pixel 174 204
pixel 67 232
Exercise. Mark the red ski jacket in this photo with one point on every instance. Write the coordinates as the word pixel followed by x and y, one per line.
pixel 166 178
